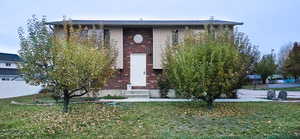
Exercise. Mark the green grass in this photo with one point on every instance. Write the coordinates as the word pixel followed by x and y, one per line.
pixel 150 120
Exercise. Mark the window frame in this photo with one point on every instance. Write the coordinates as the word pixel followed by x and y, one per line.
pixel 175 37
pixel 8 64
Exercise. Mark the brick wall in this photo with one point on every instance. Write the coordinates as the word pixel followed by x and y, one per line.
pixel 122 77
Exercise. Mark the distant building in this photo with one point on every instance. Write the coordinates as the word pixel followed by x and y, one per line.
pixel 8 67
pixel 254 78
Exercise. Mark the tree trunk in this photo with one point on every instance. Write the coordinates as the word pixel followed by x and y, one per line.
pixel 210 104
pixel 264 80
pixel 66 101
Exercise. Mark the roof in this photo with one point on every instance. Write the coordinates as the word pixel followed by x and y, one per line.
pixel 9 57
pixel 254 77
pixel 7 71
pixel 148 22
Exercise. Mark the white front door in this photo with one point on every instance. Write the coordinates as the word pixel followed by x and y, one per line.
pixel 138 69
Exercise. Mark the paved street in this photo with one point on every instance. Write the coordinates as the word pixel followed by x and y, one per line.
pixel 283 85
pixel 246 93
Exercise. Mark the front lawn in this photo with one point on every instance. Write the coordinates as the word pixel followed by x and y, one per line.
pixel 161 120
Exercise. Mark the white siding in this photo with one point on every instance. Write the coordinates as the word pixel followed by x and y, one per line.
pixel 181 34
pixel 198 31
pixel 161 38
pixel 116 39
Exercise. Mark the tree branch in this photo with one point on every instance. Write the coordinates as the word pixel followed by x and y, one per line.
pixel 81 94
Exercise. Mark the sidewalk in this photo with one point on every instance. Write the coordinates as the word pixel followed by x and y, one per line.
pixel 181 100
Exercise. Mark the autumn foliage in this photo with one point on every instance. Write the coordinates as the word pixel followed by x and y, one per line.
pixel 71 66
pixel 204 66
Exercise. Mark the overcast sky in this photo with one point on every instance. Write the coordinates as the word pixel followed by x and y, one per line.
pixel 269 23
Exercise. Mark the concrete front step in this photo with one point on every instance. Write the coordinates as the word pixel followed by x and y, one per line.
pixel 137 93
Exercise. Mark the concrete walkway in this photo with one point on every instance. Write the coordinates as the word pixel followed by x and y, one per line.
pixel 181 100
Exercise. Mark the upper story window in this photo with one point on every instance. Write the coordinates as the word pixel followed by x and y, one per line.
pixel 100 34
pixel 8 64
pixel 175 37
pixel 84 32
pixel 106 34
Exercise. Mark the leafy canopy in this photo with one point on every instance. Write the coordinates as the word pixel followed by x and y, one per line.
pixel 203 66
pixel 36 45
pixel 70 65
pixel 291 65
pixel 266 66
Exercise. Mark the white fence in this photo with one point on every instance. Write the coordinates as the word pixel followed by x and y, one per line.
pixel 16 88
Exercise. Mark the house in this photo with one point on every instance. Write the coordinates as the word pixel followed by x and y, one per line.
pixel 140 45
pixel 8 67
pixel 254 79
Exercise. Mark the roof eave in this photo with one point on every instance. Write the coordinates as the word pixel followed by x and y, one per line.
pixel 144 23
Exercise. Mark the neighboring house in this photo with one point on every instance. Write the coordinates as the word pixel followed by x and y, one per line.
pixel 254 78
pixel 8 67
pixel 140 45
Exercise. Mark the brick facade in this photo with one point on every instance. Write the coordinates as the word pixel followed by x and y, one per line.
pixel 122 77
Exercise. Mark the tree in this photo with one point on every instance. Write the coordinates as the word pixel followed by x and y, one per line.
pixel 282 57
pixel 71 66
pixel 203 67
pixel 35 51
pixel 249 57
pixel 266 66
pixel 292 62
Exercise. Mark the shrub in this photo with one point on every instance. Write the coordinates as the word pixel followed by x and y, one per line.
pixel 45 91
pixel 164 86
pixel 203 67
